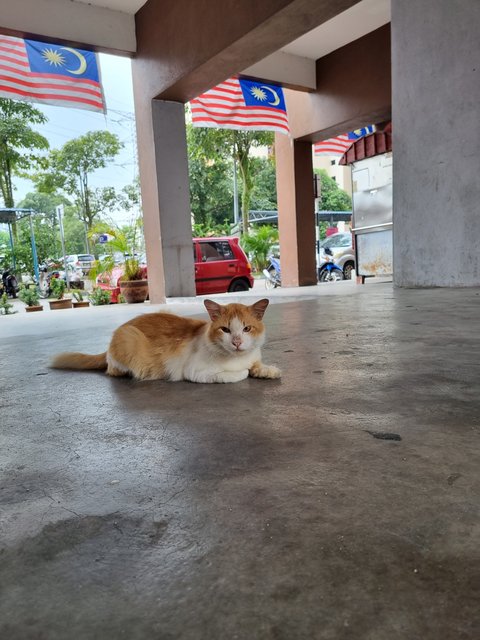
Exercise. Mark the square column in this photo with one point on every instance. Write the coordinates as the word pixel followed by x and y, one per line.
pixel 296 211
pixel 436 138
pixel 171 161
pixel 165 198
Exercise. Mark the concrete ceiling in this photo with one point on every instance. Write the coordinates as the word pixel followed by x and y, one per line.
pixel 109 25
pixel 294 64
pixel 127 6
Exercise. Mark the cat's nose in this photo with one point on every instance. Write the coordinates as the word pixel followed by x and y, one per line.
pixel 236 341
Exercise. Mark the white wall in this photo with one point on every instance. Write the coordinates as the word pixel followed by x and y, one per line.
pixel 74 22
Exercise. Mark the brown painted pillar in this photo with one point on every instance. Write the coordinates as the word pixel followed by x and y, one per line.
pixel 296 206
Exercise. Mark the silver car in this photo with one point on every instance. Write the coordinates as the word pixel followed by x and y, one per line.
pixel 343 253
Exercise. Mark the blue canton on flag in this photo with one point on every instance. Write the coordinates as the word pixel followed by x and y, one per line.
pixel 241 104
pixel 360 133
pixel 338 145
pixel 50 74
pixel 264 95
pixel 63 61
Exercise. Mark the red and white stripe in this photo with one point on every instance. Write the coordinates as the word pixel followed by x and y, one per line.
pixel 19 83
pixel 224 107
pixel 333 146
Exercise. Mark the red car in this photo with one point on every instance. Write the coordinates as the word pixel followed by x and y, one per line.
pixel 220 266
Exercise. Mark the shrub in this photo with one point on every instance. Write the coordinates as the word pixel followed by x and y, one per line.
pixel 100 296
pixel 5 306
pixel 29 295
pixel 258 244
pixel 78 294
pixel 58 286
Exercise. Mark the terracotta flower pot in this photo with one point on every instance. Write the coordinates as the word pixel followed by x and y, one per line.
pixel 65 303
pixel 134 290
pixel 35 307
pixel 80 304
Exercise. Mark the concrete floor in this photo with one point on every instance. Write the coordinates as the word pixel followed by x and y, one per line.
pixel 341 502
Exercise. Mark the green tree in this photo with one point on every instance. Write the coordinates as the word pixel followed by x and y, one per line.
pixel 71 167
pixel 18 144
pixel 211 191
pixel 332 198
pixel 264 194
pixel 4 249
pixel 46 230
pixel 108 201
pixel 224 144
pixel 74 232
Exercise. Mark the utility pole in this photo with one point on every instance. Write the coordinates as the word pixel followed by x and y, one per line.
pixel 59 211
pixel 236 217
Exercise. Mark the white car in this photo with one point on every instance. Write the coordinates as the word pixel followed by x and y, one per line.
pixel 341 246
pixel 81 261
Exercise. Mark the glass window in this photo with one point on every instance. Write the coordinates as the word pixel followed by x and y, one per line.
pixel 216 250
pixel 341 240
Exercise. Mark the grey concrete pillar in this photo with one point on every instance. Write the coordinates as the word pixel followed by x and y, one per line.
pixel 171 162
pixel 436 142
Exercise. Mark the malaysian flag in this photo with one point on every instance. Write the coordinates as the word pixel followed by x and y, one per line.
pixel 241 104
pixel 337 146
pixel 49 73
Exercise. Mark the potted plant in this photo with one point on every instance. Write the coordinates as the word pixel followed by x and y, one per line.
pixel 58 286
pixel 79 301
pixel 133 283
pixel 31 297
pixel 5 306
pixel 99 296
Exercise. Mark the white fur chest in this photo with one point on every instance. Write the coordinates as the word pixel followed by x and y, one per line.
pixel 200 363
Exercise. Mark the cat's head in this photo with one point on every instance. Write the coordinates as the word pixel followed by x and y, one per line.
pixel 236 328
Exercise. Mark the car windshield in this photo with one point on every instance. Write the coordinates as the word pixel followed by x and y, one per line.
pixel 337 240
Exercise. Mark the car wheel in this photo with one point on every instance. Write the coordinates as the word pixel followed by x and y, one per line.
pixel 347 270
pixel 331 276
pixel 269 284
pixel 238 285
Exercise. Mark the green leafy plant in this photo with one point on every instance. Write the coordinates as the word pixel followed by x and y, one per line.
pixel 332 198
pixel 79 294
pixel 126 241
pixel 100 296
pixel 259 244
pixel 29 295
pixel 121 299
pixel 58 286
pixel 5 306
pixel 206 230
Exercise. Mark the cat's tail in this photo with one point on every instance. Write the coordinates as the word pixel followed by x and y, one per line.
pixel 73 360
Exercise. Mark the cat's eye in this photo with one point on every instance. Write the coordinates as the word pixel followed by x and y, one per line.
pixel 247 328
pixel 225 329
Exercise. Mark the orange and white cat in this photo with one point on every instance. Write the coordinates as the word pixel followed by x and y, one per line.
pixel 163 346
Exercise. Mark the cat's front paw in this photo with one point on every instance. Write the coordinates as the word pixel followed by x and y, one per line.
pixel 260 370
pixel 231 376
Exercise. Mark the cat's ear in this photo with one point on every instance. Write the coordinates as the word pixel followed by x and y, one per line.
pixel 214 309
pixel 259 308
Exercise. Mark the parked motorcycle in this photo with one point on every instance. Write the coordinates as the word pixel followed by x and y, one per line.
pixel 48 273
pixel 9 284
pixel 273 274
pixel 330 271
